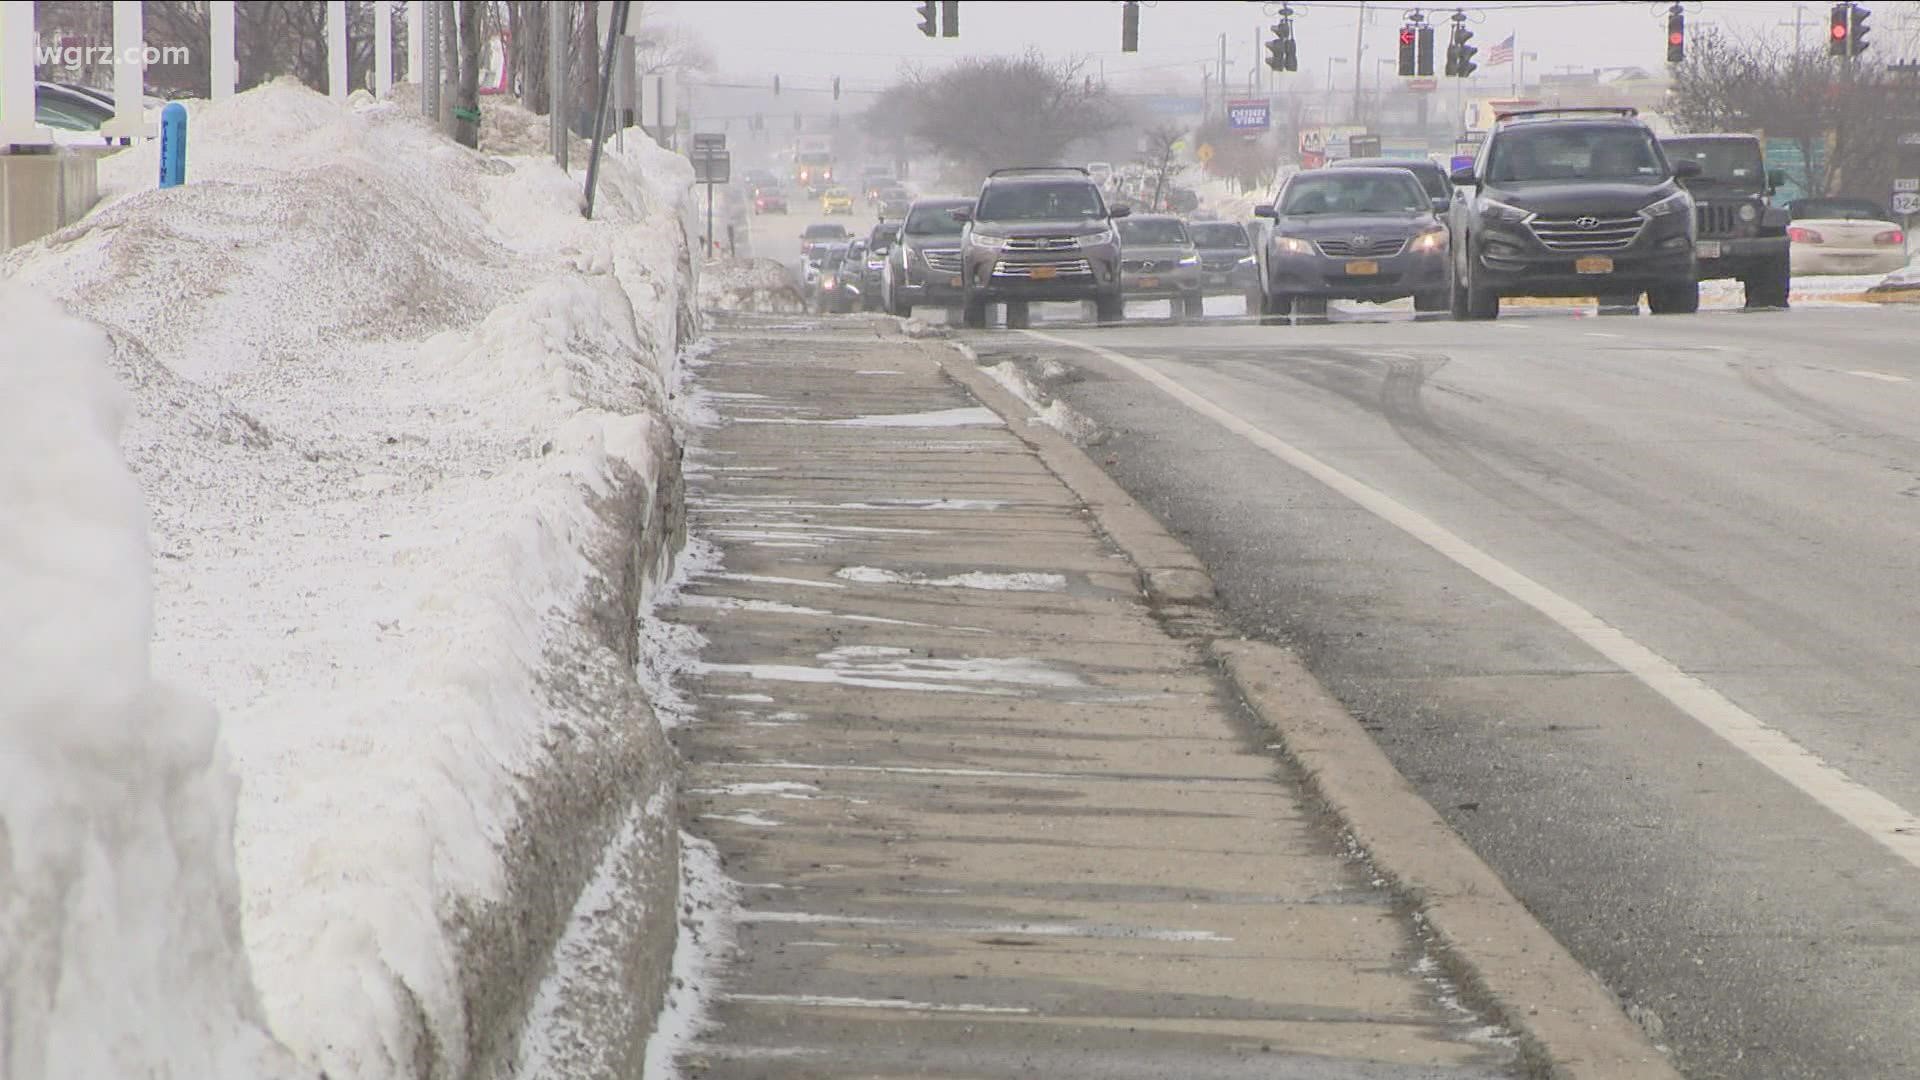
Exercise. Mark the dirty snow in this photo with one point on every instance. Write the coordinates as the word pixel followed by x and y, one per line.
pixel 377 383
pixel 974 416
pixel 973 579
pixel 708 901
pixel 749 285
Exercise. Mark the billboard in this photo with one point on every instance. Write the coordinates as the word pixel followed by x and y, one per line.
pixel 1248 114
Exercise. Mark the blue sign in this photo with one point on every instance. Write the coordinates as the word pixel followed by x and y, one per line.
pixel 173 145
pixel 1249 115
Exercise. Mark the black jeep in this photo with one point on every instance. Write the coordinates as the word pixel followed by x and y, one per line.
pixel 1741 234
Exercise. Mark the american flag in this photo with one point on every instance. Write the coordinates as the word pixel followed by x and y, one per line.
pixel 1501 53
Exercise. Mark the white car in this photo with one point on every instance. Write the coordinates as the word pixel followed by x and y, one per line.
pixel 1838 235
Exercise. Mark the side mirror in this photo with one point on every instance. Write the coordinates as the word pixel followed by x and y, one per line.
pixel 1686 170
pixel 1119 210
pixel 882 250
pixel 1441 203
pixel 1264 210
pixel 1776 178
pixel 1464 178
pixel 961 214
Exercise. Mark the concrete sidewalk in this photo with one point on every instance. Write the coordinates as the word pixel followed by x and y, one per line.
pixel 990 818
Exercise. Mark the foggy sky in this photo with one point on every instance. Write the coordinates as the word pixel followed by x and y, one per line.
pixel 865 42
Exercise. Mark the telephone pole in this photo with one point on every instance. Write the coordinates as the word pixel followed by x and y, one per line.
pixel 1359 57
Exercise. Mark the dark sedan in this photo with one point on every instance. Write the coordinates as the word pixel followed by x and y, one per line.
pixel 1352 234
pixel 1227 264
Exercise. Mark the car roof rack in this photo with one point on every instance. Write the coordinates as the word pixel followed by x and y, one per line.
pixel 1570 110
pixel 1022 169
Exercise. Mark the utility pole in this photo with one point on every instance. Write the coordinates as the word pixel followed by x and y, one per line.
pixel 1223 74
pixel 1359 61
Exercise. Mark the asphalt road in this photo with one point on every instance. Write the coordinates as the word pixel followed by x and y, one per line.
pixel 1586 579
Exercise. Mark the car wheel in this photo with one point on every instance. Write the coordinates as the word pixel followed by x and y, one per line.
pixel 1254 301
pixel 1275 309
pixel 1681 298
pixel 1312 308
pixel 1769 288
pixel 1193 306
pixel 1110 307
pixel 1620 303
pixel 1431 301
pixel 973 313
pixel 1468 302
pixel 1019 315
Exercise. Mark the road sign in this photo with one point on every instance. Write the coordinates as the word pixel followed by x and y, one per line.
pixel 1423 86
pixel 1249 114
pixel 1909 183
pixel 709 140
pixel 1906 202
pixel 712 166
pixel 1205 153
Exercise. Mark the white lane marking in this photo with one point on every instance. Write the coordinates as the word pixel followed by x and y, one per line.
pixel 821 1002
pixel 1881 375
pixel 1858 805
pixel 1596 333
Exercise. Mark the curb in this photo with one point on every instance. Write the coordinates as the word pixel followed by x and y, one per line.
pixel 1570 1025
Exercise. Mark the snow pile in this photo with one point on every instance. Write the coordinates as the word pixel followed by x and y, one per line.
pixel 749 285
pixel 120 950
pixel 404 424
pixel 1902 284
pixel 1053 412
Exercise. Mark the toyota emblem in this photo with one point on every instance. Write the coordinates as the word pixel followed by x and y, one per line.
pixel 1148 265
pixel 1587 222
pixel 1361 243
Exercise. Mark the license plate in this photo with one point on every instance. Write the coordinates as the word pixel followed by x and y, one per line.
pixel 1041 273
pixel 1362 267
pixel 954 281
pixel 1149 283
pixel 1707 249
pixel 1593 264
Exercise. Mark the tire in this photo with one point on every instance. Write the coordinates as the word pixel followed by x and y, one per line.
pixel 1769 288
pixel 1254 302
pixel 1680 298
pixel 1431 301
pixel 973 313
pixel 1620 303
pixel 1109 307
pixel 1019 315
pixel 1193 307
pixel 1313 308
pixel 1469 303
pixel 1275 309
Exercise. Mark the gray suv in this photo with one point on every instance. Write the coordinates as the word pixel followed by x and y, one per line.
pixel 1039 233
pixel 923 269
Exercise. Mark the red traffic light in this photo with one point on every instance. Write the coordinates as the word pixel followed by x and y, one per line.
pixel 1406 35
pixel 1839 31
pixel 1676 38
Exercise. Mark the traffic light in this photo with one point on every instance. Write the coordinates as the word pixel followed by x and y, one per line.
pixel 949 18
pixel 1423 62
pixel 1463 65
pixel 1282 54
pixel 1838 30
pixel 1676 35
pixel 836 88
pixel 1859 35
pixel 1130 26
pixel 776 85
pixel 1407 59
pixel 926 18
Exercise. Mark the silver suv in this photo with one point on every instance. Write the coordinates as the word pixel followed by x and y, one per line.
pixel 1039 233
pixel 923 269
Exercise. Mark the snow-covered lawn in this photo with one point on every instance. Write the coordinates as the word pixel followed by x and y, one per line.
pixel 396 414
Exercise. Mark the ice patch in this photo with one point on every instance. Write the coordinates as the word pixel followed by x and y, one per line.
pixel 977 579
pixel 975 416
pixel 745 817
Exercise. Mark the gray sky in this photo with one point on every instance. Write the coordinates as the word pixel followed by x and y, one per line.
pixel 808 42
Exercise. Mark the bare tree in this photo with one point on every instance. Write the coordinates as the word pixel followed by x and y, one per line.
pixel 992 111
pixel 466 112
pixel 1851 113
pixel 1161 147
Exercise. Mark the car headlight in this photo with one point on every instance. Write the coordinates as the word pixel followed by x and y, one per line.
pixel 989 241
pixel 1104 236
pixel 1247 260
pixel 876 264
pixel 1748 212
pixel 1504 213
pixel 1292 245
pixel 1190 260
pixel 1672 204
pixel 1433 240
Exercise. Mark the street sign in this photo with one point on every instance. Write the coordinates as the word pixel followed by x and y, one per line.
pixel 1423 86
pixel 1249 114
pixel 712 166
pixel 1906 202
pixel 1205 153
pixel 709 140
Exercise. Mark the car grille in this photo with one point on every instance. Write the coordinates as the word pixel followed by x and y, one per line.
pixel 1152 266
pixel 1573 234
pixel 1375 247
pixel 1042 243
pixel 944 262
pixel 1064 268
pixel 1217 263
pixel 1716 219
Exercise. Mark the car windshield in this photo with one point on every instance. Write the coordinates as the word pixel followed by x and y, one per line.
pixel 883 236
pixel 1041 202
pixel 818 231
pixel 933 220
pixel 1730 161
pixel 1152 231
pixel 1334 192
pixel 1432 180
pixel 1836 209
pixel 1523 155
pixel 1218 234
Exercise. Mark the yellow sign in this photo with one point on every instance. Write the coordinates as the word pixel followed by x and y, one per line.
pixel 1205 153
